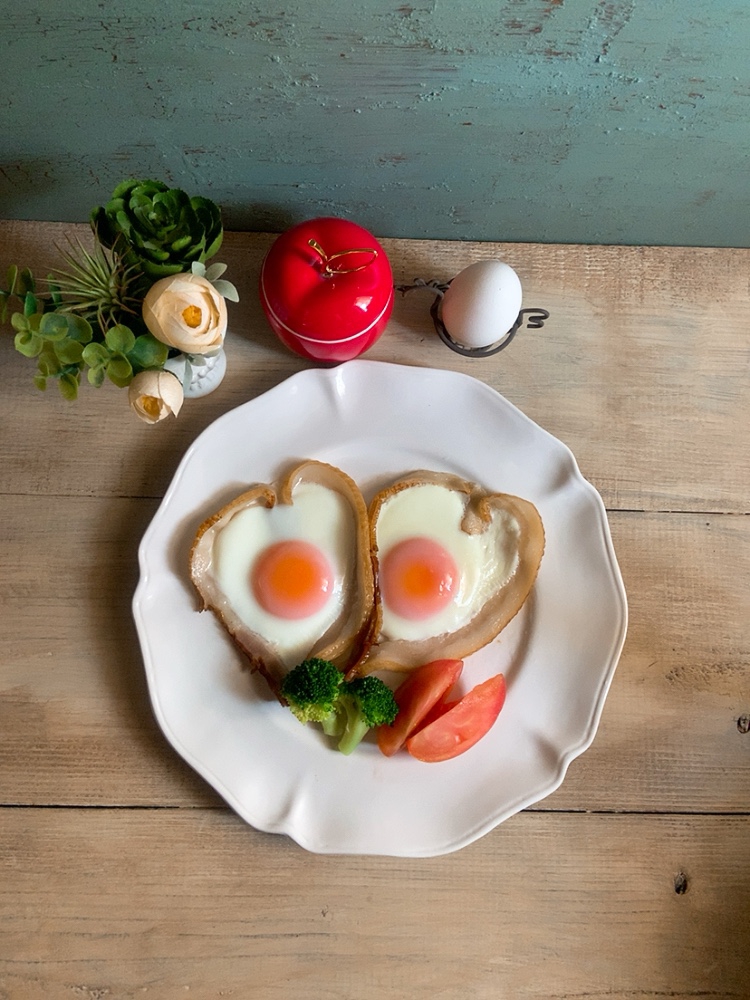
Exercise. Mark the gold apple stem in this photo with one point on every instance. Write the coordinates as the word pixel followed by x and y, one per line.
pixel 328 259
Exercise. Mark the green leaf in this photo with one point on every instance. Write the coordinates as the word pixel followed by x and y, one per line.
pixel 80 329
pixel 70 352
pixel 29 344
pixel 68 386
pixel 19 322
pixel 148 352
pixel 95 355
pixel 49 363
pixel 171 202
pixel 213 271
pixel 155 251
pixel 54 291
pixel 4 297
pixel 120 371
pixel 154 270
pixel 26 283
pixel 214 248
pixel 144 214
pixel 29 304
pixel 181 243
pixel 126 186
pixel 54 326
pixel 96 375
pixel 122 221
pixel 40 382
pixel 12 279
pixel 227 289
pixel 120 339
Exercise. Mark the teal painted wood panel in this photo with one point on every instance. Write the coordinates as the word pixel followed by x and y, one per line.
pixel 595 121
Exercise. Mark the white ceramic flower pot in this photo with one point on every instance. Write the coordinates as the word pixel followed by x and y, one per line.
pixel 199 374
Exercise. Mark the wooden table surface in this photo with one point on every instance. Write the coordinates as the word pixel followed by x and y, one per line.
pixel 122 874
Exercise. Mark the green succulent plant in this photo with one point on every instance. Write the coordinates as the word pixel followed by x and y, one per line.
pixel 162 228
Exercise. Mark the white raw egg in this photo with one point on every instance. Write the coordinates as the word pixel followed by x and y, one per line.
pixel 482 303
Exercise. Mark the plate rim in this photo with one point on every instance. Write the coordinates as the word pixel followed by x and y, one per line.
pixel 306 838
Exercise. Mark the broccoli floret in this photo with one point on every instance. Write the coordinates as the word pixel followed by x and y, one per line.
pixel 364 703
pixel 317 692
pixel 311 690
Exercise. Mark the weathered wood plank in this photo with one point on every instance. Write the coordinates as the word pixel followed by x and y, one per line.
pixel 76 724
pixel 628 883
pixel 616 122
pixel 548 907
pixel 641 370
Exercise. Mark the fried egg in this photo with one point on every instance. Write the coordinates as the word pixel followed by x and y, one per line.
pixel 435 577
pixel 455 562
pixel 284 570
pixel 287 569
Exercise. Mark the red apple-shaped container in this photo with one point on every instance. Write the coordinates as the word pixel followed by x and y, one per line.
pixel 326 287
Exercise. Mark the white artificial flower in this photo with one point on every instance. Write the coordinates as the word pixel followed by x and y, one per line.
pixel 186 312
pixel 155 395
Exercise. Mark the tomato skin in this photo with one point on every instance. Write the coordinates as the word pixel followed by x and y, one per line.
pixel 435 712
pixel 415 697
pixel 462 725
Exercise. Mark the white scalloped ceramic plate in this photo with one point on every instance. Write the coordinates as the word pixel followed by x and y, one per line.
pixel 377 421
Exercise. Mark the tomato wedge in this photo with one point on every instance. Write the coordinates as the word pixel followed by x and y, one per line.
pixel 419 693
pixel 435 712
pixel 462 725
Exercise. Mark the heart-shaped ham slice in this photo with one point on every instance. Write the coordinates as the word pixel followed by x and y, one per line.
pixel 286 569
pixel 455 563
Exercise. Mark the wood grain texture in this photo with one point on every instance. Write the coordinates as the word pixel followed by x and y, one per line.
pixel 545 907
pixel 641 370
pixel 122 874
pixel 77 726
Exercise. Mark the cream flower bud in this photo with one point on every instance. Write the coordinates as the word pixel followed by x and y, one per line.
pixel 155 395
pixel 186 312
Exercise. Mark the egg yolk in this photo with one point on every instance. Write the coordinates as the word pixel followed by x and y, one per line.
pixel 418 577
pixel 292 579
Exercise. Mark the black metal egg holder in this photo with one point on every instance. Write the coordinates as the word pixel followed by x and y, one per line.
pixel 534 321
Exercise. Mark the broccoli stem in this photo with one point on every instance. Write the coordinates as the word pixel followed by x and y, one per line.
pixel 333 724
pixel 355 726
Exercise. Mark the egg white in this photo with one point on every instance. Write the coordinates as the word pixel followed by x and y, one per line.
pixel 318 515
pixel 485 561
